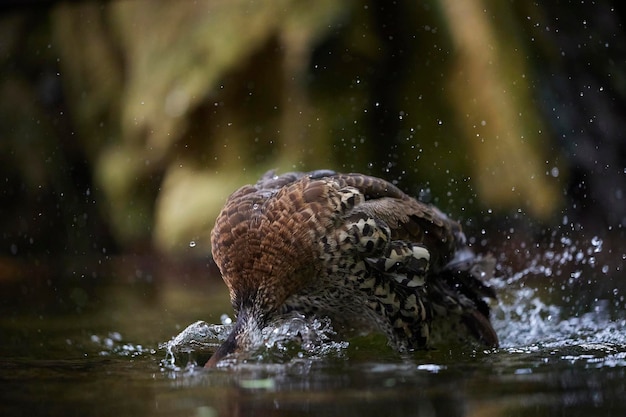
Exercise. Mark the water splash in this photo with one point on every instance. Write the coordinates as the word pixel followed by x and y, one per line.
pixel 562 297
pixel 301 337
pixel 113 344
pixel 291 337
pixel 196 339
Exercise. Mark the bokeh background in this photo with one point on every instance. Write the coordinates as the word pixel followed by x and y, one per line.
pixel 124 125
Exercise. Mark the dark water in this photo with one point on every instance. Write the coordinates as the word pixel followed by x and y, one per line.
pixel 561 319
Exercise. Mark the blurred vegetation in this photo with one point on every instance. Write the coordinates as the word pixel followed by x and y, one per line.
pixel 125 124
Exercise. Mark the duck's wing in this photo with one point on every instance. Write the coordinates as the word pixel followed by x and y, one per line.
pixel 408 219
pixel 455 284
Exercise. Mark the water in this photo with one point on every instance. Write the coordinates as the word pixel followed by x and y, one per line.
pixel 560 317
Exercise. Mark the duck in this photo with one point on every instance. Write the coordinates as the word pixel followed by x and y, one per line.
pixel 354 249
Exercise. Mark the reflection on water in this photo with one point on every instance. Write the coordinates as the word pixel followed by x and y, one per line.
pixel 560 317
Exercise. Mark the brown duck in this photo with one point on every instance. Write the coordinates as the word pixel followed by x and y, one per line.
pixel 353 248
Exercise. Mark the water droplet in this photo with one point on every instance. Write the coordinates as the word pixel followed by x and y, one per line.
pixel 596 242
pixel 225 320
pixel 192 244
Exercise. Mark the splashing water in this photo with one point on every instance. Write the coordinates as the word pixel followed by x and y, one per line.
pixel 113 344
pixel 560 299
pixel 290 337
pixel 196 339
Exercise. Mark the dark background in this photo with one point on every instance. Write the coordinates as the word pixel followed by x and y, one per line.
pixel 124 125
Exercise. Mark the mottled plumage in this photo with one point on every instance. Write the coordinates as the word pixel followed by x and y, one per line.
pixel 351 247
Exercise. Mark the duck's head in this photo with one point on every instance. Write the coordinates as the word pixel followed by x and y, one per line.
pixel 265 251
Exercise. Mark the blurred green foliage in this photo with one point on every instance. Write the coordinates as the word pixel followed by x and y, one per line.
pixel 126 124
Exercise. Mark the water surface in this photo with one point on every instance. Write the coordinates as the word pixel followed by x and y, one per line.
pixel 560 317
